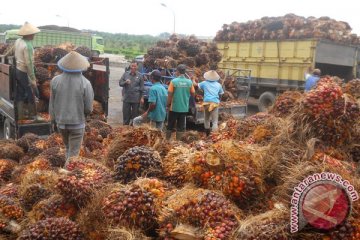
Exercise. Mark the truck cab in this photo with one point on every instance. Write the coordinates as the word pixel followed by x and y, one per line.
pixel 97 45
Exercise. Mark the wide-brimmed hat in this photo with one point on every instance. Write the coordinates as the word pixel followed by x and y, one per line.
pixel 28 29
pixel 211 75
pixel 73 62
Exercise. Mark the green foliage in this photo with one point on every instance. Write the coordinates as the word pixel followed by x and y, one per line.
pixel 5 27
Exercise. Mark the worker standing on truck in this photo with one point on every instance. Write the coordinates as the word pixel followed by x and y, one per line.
pixel 71 99
pixel 312 79
pixel 26 88
pixel 179 92
pixel 212 91
pixel 156 111
pixel 133 86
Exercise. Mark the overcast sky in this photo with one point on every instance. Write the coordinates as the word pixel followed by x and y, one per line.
pixel 202 18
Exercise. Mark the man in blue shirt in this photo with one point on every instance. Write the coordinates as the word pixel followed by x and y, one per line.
pixel 157 102
pixel 312 79
pixel 212 91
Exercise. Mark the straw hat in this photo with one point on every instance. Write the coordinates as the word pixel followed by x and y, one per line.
pixel 73 62
pixel 211 75
pixel 28 29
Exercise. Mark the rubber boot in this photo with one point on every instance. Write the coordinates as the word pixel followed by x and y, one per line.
pixel 168 134
pixel 33 114
pixel 207 131
pixel 20 110
pixel 179 135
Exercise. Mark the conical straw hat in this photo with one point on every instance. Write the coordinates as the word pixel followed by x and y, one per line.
pixel 28 29
pixel 73 62
pixel 211 75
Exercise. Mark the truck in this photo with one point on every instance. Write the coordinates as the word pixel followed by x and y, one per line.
pixel 98 75
pixel 280 65
pixel 54 37
pixel 237 108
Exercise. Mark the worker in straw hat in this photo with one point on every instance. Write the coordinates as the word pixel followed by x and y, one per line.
pixel 26 88
pixel 212 91
pixel 71 99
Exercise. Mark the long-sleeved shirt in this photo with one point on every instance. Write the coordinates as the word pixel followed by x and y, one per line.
pixel 24 55
pixel 71 98
pixel 132 92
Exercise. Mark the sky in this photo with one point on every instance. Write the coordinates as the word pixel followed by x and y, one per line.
pixel 202 18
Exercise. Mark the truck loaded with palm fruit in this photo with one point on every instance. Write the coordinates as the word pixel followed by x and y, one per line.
pixel 53 36
pixel 280 50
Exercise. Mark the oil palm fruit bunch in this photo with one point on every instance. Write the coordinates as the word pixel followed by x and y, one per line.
pixel 83 50
pixel 6 168
pixel 211 213
pixel 58 53
pixel 83 178
pixel 349 230
pixel 130 206
pixel 137 162
pixel 131 137
pixel 10 208
pixel 26 140
pixel 41 74
pixel 55 156
pixel 353 88
pixel 176 165
pixel 32 194
pixel 9 150
pixel 230 168
pixel 52 228
pixel 44 89
pixel 43 54
pixel 285 103
pixel 273 224
pixel 54 206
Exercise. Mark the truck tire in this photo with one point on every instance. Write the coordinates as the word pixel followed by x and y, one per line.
pixel 95 54
pixel 9 131
pixel 266 100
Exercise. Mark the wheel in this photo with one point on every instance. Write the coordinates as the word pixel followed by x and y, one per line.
pixel 9 131
pixel 266 100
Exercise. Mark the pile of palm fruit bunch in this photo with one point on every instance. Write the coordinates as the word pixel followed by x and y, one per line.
pixel 137 162
pixel 230 168
pixel 191 51
pixel 84 177
pixel 195 213
pixel 326 112
pixel 285 102
pixel 289 26
pixel 9 150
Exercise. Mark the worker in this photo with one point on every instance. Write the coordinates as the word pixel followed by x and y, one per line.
pixel 312 79
pixel 179 92
pixel 156 111
pixel 133 86
pixel 71 100
pixel 26 88
pixel 212 91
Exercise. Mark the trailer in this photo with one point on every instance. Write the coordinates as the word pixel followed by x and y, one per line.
pixel 280 65
pixel 98 75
